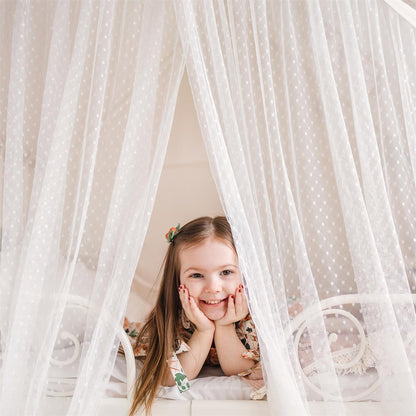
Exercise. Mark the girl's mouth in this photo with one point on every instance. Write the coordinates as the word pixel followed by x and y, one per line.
pixel 213 302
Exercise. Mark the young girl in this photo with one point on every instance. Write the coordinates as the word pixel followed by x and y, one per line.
pixel 201 314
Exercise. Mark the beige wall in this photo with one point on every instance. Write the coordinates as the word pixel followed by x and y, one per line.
pixel 186 191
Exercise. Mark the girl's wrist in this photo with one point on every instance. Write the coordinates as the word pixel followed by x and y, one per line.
pixel 206 331
pixel 229 325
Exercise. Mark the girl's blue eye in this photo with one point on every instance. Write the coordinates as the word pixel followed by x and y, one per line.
pixel 196 275
pixel 226 272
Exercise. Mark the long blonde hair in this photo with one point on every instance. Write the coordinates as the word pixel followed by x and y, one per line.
pixel 162 325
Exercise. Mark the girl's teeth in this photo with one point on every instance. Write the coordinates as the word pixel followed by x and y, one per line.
pixel 212 302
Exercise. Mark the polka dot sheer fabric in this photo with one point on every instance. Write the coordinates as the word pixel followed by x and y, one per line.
pixel 307 112
pixel 307 109
pixel 88 91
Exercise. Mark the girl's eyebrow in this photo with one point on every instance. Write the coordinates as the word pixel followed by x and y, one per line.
pixel 228 265
pixel 198 269
pixel 195 269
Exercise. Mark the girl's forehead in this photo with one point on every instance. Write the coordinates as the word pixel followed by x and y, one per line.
pixel 210 252
pixel 208 244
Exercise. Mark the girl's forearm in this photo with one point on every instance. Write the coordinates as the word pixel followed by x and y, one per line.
pixel 229 350
pixel 193 360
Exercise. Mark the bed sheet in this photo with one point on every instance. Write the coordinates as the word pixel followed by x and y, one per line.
pixel 211 385
pixel 162 407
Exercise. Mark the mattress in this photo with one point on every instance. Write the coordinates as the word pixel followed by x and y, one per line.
pixel 54 406
pixel 213 392
pixel 210 385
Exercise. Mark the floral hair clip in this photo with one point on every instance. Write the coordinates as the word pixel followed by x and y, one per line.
pixel 170 235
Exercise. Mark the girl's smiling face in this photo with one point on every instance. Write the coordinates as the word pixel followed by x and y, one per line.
pixel 211 273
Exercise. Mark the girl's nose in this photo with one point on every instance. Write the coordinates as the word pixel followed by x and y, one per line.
pixel 213 285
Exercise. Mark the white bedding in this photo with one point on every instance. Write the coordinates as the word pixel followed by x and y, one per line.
pixel 162 407
pixel 212 389
pixel 211 385
pixel 212 394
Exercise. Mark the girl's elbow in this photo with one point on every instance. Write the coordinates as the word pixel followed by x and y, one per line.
pixel 168 383
pixel 229 372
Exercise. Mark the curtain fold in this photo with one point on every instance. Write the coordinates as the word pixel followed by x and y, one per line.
pixel 307 113
pixel 305 109
pixel 90 90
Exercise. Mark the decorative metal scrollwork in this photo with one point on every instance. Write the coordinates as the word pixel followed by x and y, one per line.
pixel 81 303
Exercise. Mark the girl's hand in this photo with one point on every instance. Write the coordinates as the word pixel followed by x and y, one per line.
pixel 237 308
pixel 192 311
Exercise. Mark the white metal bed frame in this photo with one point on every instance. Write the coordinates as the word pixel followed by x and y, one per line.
pixel 329 306
pixel 78 302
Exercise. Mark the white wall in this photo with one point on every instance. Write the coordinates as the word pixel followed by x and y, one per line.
pixel 186 191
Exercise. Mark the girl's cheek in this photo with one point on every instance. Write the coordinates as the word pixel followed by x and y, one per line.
pixel 191 288
pixel 232 287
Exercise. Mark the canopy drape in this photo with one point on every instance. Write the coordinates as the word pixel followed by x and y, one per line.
pixel 88 91
pixel 307 110
pixel 307 113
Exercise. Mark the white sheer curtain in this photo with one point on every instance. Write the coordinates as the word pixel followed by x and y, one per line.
pixel 307 112
pixel 307 109
pixel 87 96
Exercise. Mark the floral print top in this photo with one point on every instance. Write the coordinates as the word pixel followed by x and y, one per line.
pixel 245 330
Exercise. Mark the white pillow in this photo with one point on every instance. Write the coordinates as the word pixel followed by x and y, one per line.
pixel 211 384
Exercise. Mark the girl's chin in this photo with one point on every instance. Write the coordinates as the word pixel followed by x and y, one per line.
pixel 214 313
pixel 214 316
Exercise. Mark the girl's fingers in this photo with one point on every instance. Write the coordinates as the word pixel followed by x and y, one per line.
pixel 188 303
pixel 196 316
pixel 181 290
pixel 231 307
pixel 238 299
pixel 192 303
pixel 241 303
pixel 184 298
pixel 245 307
